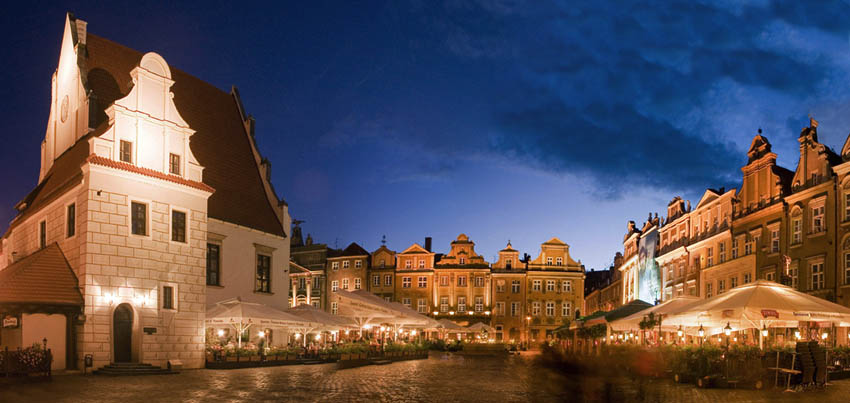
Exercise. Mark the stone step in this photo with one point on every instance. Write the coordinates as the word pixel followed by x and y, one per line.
pixel 125 369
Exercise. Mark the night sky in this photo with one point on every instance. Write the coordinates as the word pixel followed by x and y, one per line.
pixel 499 119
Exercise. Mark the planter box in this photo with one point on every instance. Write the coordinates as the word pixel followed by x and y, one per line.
pixel 231 358
pixel 344 357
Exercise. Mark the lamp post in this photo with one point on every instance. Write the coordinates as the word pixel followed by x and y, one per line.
pixel 679 332
pixel 764 334
pixel 527 330
pixel 728 331
pixel 701 334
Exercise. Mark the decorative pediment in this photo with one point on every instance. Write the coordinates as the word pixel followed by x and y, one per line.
pixel 759 147
pixel 415 248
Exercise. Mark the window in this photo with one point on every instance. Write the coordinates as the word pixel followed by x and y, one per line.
pixel 500 286
pixel 178 226
pixel 847 268
pixel 346 264
pixel 318 305
pixel 549 261
pixel 388 279
pixel 566 308
pixel 421 263
pixel 422 305
pixel 817 219
pixel 444 280
pixel 423 282
pixel 559 261
pixel 793 272
pixel 462 260
pixel 733 282
pixel 461 304
pixel 444 304
pixel 213 264
pixel 550 285
pixel 536 285
pixel 796 230
pixel 515 308
pixel 774 240
pixel 709 260
pixel 550 308
pixel 479 281
pixel 126 151
pixel 335 265
pixel 817 275
pixel 42 234
pixel 535 308
pixel 139 218
pixel 405 282
pixel 302 283
pixel 479 304
pixel 566 286
pixel 515 286
pixel 335 285
pixel 708 290
pixel 358 264
pixel 499 309
pixel 71 220
pixel 383 263
pixel 748 278
pixel 407 264
pixel 264 271
pixel 508 264
pixel 345 284
pixel 461 281
pixel 174 164
pixel 334 308
pixel 356 283
pixel 770 276
pixel 406 302
pixel 721 251
pixel 748 248
pixel 376 281
pixel 167 297
pixel 846 206
pixel 734 250
pixel 721 286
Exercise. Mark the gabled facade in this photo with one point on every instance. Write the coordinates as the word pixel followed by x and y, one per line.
pixel 462 282
pixel 509 295
pixel 382 273
pixel 414 279
pixel 555 289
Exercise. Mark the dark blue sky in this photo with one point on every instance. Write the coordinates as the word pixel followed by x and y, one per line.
pixel 500 119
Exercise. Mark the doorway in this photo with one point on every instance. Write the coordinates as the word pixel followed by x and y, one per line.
pixel 122 322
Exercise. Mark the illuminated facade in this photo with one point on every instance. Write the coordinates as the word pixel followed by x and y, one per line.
pixel 509 296
pixel 382 273
pixel 414 279
pixel 140 167
pixel 462 282
pixel 677 277
pixel 554 289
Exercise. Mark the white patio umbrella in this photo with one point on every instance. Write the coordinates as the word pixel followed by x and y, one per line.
pixel 480 327
pixel 756 305
pixel 364 307
pixel 242 315
pixel 321 320
pixel 663 310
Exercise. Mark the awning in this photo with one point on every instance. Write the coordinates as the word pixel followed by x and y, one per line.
pixel 452 327
pixel 236 312
pixel 598 318
pixel 324 320
pixel 663 310
pixel 480 327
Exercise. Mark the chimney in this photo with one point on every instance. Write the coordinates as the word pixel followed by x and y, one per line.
pixel 428 243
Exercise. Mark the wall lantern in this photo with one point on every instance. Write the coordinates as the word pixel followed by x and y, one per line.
pixel 451 312
pixel 701 331
pixel 728 329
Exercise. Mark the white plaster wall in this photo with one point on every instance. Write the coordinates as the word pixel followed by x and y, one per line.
pixel 36 327
pixel 238 265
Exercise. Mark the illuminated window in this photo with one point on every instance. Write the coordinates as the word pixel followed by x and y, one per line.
pixel 550 308
pixel 461 304
pixel 126 153
pixel 444 304
pixel 174 164
pixel 566 307
pixel 264 271
pixel 479 304
pixel 213 264
pixel 70 220
pixel 516 308
pixel 388 279
pixel 817 276
pixel 535 308
pixel 335 265
pixel 335 285
pixel 334 308
pixel 405 282
pixel 422 305
pixel 357 283
pixel 817 219
pixel 345 264
pixel 423 282
pixel 406 302
pixel 515 284
pixel 358 264
pixel 139 218
pixel 345 284
pixel 376 280
pixel 461 281
pixel 536 285
pixel 178 226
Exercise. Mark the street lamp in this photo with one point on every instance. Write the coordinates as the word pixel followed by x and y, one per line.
pixel 728 331
pixel 764 330
pixel 680 332
pixel 797 334
pixel 701 332
pixel 220 332
pixel 261 334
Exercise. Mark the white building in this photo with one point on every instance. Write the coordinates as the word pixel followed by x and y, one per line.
pixel 152 188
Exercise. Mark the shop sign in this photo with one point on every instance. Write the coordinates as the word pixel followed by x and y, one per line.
pixel 10 322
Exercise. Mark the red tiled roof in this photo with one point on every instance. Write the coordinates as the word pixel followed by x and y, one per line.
pixel 43 277
pixel 97 160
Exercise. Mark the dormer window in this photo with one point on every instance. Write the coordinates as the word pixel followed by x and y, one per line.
pixel 462 261
pixel 126 154
pixel 174 164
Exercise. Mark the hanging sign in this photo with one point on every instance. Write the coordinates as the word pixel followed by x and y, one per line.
pixel 768 313
pixel 10 322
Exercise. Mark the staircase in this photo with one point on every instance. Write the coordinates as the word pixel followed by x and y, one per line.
pixel 132 368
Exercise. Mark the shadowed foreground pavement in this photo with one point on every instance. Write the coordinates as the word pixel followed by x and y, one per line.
pixel 440 378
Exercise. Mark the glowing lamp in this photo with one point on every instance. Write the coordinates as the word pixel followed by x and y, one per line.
pixel 701 331
pixel 735 339
pixel 220 332
pixel 469 312
pixel 451 312
pixel 764 330
pixel 528 318
pixel 680 332
pixel 346 332
pixel 436 313
pixel 413 332
pixel 728 329
pixel 797 334
pixel 824 335
pixel 487 312
pixel 367 327
pixel 318 337
pixel 297 336
pixel 261 334
pixel 383 328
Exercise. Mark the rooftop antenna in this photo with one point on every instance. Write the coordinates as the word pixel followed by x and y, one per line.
pixel 384 240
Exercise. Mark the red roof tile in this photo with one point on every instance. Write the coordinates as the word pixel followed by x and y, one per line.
pixel 97 160
pixel 43 277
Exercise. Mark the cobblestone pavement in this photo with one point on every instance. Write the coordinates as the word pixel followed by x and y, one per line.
pixel 440 378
